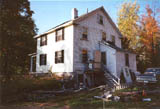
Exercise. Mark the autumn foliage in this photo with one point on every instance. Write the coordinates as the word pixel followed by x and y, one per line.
pixel 141 33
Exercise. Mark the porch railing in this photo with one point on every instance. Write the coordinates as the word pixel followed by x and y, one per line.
pixel 114 78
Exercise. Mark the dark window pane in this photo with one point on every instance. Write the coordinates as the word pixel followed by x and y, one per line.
pixel 103 36
pixel 127 59
pixel 84 56
pixel 84 36
pixel 60 34
pixel 59 57
pixel 43 40
pixel 43 59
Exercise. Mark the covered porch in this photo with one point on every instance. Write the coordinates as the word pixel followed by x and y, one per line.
pixel 32 62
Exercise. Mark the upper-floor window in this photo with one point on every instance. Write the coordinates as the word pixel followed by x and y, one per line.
pixel 103 36
pixel 60 34
pixel 84 56
pixel 85 33
pixel 43 59
pixel 113 39
pixel 127 60
pixel 59 56
pixel 100 19
pixel 43 40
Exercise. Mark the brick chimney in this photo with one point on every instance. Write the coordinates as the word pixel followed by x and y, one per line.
pixel 74 13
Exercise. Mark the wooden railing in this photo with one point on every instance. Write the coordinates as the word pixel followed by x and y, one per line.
pixel 115 78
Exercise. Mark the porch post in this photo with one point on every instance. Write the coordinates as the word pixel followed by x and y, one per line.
pixel 31 65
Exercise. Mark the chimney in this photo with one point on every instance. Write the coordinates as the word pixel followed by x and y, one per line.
pixel 87 10
pixel 74 13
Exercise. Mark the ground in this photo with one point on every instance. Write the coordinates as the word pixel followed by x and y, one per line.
pixel 85 100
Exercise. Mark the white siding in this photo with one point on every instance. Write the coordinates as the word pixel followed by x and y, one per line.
pixel 53 46
pixel 132 62
pixel 120 61
pixel 110 58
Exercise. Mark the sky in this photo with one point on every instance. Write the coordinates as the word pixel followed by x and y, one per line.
pixel 49 13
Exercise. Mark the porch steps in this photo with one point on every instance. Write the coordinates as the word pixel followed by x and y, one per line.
pixel 113 82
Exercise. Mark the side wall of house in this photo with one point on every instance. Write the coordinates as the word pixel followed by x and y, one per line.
pixel 132 62
pixel 120 58
pixel 94 36
pixel 121 61
pixel 53 46
pixel 110 58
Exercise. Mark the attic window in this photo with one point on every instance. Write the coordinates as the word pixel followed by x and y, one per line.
pixel 100 19
pixel 85 33
pixel 59 34
pixel 43 40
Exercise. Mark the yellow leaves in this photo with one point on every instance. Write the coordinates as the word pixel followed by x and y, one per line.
pixel 127 22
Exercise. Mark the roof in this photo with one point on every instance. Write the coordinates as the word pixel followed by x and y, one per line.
pixel 116 48
pixel 80 18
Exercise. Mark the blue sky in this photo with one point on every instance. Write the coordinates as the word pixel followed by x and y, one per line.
pixel 49 13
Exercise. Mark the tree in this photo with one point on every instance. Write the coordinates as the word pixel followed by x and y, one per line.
pixel 127 24
pixel 17 29
pixel 149 36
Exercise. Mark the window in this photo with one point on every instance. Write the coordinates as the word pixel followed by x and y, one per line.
pixel 60 34
pixel 43 59
pixel 43 40
pixel 59 57
pixel 100 19
pixel 103 36
pixel 113 39
pixel 85 34
pixel 84 56
pixel 103 58
pixel 127 59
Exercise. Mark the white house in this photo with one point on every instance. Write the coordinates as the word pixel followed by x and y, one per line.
pixel 82 43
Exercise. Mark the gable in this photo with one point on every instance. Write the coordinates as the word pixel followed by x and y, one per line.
pixel 84 17
pixel 94 13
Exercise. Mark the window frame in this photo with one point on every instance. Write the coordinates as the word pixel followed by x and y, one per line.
pixel 85 34
pixel 43 59
pixel 100 19
pixel 59 37
pixel 84 56
pixel 43 42
pixel 59 57
pixel 104 35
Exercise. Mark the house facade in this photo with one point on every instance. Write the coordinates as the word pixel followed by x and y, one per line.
pixel 84 42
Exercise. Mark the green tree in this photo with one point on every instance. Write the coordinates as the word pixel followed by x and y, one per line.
pixel 17 29
pixel 127 24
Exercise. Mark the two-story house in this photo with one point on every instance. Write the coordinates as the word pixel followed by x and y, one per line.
pixel 82 43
